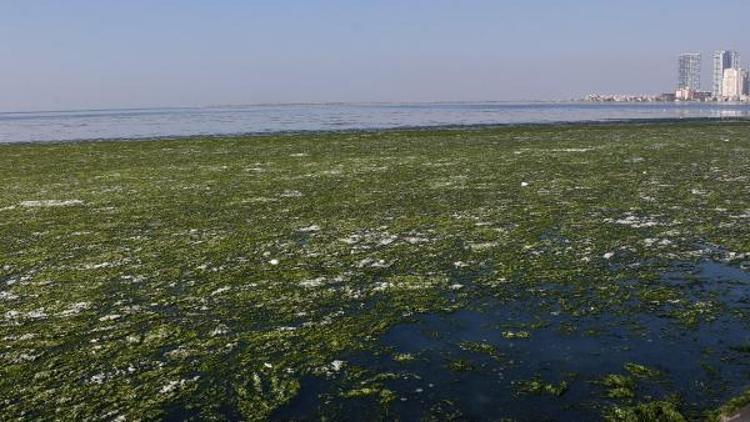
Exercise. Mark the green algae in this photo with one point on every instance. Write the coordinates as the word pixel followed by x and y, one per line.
pixel 642 371
pixel 384 395
pixel 538 386
pixel 206 277
pixel 481 348
pixel 404 357
pixel 730 408
pixel 516 335
pixel 664 411
pixel 619 386
pixel 460 365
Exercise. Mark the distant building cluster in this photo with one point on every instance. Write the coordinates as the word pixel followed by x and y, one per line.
pixel 622 98
pixel 730 83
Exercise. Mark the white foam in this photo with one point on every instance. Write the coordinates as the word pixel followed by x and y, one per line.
pixel 51 203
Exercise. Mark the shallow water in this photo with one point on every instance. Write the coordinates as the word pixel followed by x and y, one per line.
pixel 703 365
pixel 166 122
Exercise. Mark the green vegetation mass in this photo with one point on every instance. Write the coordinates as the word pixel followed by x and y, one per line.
pixel 208 277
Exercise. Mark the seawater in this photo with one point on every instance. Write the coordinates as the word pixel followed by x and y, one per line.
pixel 257 119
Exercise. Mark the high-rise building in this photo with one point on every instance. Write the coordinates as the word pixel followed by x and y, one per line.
pixel 723 60
pixel 689 72
pixel 733 84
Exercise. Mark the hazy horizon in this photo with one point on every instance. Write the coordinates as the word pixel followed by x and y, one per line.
pixel 99 55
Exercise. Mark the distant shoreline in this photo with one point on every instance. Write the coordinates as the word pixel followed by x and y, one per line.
pixel 293 104
pixel 573 101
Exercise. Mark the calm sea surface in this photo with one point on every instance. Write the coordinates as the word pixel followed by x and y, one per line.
pixel 166 122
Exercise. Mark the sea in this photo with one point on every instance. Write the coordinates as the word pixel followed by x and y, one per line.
pixel 140 123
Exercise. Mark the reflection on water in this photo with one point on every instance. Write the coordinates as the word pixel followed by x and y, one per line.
pixel 144 123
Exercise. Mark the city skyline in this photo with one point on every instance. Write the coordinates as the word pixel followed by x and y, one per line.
pixel 729 80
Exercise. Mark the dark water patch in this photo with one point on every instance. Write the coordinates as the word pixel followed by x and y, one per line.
pixel 307 404
pixel 521 360
pixel 710 284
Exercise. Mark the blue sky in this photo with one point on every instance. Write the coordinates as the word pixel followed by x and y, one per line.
pixel 105 53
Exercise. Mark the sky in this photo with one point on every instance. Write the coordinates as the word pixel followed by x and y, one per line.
pixel 83 54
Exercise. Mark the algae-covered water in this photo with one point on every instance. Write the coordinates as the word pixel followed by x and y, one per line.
pixel 525 359
pixel 527 273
